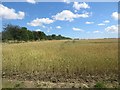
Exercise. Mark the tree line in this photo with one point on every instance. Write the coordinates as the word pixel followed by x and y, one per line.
pixel 17 33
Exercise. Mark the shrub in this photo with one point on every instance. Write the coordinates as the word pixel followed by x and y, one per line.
pixel 99 85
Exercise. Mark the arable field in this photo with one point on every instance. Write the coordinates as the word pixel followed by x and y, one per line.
pixel 65 63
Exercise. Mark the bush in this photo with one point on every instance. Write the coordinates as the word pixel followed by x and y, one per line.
pixel 99 85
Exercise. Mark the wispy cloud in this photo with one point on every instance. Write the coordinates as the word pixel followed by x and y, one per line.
pixel 49 29
pixel 66 1
pixel 97 31
pixel 89 22
pixel 106 21
pixel 101 24
pixel 77 29
pixel 58 27
pixel 31 1
pixel 37 30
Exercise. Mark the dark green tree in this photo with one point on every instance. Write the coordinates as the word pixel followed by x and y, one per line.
pixel 14 32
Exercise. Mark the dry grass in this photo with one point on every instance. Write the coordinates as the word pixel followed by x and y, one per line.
pixel 59 61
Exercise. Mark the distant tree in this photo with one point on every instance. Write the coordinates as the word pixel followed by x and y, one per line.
pixel 10 32
pixel 24 34
pixel 36 36
pixel 49 37
pixel 41 35
pixel 53 36
pixel 24 28
pixel 14 32
pixel 31 35
pixel 59 37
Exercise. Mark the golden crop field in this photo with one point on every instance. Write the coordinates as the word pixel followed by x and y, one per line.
pixel 61 61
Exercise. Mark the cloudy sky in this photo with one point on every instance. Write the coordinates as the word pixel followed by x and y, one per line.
pixel 75 19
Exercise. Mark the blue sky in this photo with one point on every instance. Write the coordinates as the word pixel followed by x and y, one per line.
pixel 75 19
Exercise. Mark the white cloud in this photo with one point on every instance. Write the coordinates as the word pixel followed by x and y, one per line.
pixel 43 26
pixel 113 28
pixel 9 13
pixel 106 21
pixel 67 15
pixel 40 22
pixel 97 31
pixel 31 1
pixel 89 22
pixel 66 1
pixel 77 29
pixel 78 6
pixel 115 15
pixel 37 30
pixel 101 24
pixel 75 11
pixel 58 27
